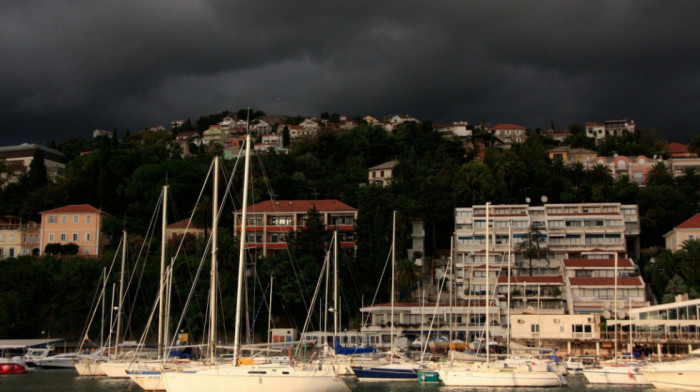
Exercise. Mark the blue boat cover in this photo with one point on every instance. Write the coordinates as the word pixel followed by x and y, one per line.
pixel 352 350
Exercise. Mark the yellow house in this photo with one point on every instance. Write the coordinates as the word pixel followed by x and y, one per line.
pixel 572 155
pixel 688 230
pixel 79 224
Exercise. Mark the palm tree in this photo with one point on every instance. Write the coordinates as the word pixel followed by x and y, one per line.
pixel 407 274
pixel 534 247
pixel 665 265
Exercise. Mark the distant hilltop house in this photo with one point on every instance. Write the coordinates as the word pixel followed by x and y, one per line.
pixel 382 174
pixel 21 156
pixel 458 130
pixel 599 131
pixel 687 230
pixel 101 132
pixel 392 121
pixel 80 224
pixel 509 133
pixel 558 135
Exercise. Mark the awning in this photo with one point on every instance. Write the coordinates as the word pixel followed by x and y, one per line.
pixel 27 343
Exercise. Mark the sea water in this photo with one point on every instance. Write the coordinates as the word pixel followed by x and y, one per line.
pixel 42 380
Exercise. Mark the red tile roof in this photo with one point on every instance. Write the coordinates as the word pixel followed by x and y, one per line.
pixel 677 148
pixel 181 225
pixel 73 208
pixel 508 126
pixel 598 263
pixel 691 223
pixel 595 281
pixel 300 206
pixel 531 279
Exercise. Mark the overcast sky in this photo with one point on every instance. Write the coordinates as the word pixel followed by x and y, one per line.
pixel 68 67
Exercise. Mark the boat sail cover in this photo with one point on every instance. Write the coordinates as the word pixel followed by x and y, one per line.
pixel 352 350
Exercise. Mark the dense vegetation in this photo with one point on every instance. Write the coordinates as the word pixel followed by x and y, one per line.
pixel 434 175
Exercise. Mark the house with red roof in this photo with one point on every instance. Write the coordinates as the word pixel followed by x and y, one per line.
pixel 687 230
pixel 509 133
pixel 180 228
pixel 80 224
pixel 270 222
pixel 678 150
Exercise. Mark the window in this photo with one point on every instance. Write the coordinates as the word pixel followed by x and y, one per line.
pixel 88 237
pixel 51 238
pixel 2 252
pixel 86 251
pixel 76 237
pixel 76 219
pixel 52 219
pixel 88 218
pixel 64 219
pixel 2 237
pixel 534 328
pixel 64 238
pixel 12 252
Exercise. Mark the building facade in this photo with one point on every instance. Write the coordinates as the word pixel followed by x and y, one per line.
pixel 80 224
pixel 382 174
pixel 558 258
pixel 687 230
pixel 270 222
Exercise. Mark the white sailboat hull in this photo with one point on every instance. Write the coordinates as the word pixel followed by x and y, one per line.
pixel 679 375
pixel 499 377
pixel 115 369
pixel 254 378
pixel 88 367
pixel 621 375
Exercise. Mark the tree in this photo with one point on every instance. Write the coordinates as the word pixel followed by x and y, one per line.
pixel 660 174
pixel 674 287
pixel 37 177
pixel 694 145
pixel 533 248
pixel 407 274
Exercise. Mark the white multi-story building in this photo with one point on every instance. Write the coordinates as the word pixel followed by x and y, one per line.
pixel 561 254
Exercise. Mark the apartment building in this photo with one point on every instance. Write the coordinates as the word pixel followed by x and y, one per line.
pixel 270 222
pixel 80 224
pixel 547 250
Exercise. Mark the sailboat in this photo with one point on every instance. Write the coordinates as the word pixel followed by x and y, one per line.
pixel 501 373
pixel 615 371
pixel 264 377
pixel 401 370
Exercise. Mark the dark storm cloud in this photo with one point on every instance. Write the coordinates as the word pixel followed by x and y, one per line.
pixel 72 66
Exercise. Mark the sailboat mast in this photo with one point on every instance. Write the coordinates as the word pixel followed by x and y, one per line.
pixel 335 286
pixel 488 298
pixel 393 281
pixel 213 273
pixel 161 288
pixel 241 253
pixel 510 237
pixel 121 296
pixel 269 312
pixel 615 307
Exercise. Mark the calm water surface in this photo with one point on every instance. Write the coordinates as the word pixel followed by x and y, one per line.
pixel 68 381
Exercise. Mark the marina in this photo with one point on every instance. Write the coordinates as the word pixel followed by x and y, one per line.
pixel 69 381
